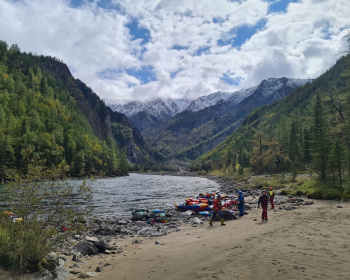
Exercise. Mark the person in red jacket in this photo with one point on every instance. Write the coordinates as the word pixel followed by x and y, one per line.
pixel 272 196
pixel 264 201
pixel 217 209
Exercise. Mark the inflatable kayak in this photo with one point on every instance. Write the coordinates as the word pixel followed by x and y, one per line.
pixel 193 207
pixel 200 200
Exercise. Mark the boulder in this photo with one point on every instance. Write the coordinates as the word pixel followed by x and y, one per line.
pixel 122 222
pixel 102 245
pixel 141 224
pixel 136 216
pixel 91 239
pixel 60 273
pixel 86 248
pixel 81 275
pixel 195 221
pixel 59 261
pixel 42 275
pixel 91 274
pixel 228 215
pixel 105 231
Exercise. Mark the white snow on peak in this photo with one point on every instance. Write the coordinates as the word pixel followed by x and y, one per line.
pixel 169 107
pixel 271 85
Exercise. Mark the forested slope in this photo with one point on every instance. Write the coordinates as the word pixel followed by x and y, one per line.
pixel 307 131
pixel 48 116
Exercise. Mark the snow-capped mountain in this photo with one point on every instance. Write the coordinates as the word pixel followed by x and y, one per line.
pixel 271 85
pixel 163 109
pixel 190 134
pixel 150 113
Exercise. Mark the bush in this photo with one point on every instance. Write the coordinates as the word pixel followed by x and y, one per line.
pixel 331 194
pixel 318 190
pixel 345 195
pixel 316 194
pixel 202 172
pixel 42 207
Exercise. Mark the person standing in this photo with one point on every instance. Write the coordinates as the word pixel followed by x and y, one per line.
pixel 240 200
pixel 264 201
pixel 272 196
pixel 217 209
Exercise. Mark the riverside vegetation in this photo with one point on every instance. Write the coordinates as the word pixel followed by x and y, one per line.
pixel 44 216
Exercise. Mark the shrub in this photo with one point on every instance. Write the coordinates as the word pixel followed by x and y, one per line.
pixel 345 195
pixel 331 194
pixel 42 206
pixel 202 172
pixel 316 194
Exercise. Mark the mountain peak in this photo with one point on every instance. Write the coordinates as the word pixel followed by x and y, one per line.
pixel 160 109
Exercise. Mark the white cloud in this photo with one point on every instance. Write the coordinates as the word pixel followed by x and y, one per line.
pixel 301 43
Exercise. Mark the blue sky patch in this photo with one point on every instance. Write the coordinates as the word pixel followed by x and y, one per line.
pixel 202 50
pixel 179 47
pixel 237 36
pixel 138 32
pixel 144 75
pixel 108 74
pixel 102 3
pixel 231 79
pixel 280 6
pixel 218 20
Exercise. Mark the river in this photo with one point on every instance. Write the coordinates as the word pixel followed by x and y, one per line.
pixel 118 196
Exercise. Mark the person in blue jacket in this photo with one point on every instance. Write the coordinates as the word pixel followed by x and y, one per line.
pixel 240 200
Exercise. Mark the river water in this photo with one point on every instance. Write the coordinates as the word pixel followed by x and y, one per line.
pixel 118 196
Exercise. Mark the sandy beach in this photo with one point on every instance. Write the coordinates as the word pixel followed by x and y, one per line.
pixel 311 242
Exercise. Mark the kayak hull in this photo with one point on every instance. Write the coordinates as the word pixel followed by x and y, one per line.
pixel 194 207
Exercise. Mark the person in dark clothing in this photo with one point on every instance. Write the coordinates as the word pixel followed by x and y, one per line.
pixel 264 201
pixel 240 201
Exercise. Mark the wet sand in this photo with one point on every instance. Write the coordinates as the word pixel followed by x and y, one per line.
pixel 312 242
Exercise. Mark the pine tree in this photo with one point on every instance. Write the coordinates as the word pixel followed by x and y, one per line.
pixel 336 160
pixel 320 143
pixel 294 150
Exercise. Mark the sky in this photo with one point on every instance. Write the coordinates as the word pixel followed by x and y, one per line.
pixel 136 50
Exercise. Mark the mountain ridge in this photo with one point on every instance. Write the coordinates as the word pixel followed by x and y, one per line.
pixel 190 134
pixel 150 113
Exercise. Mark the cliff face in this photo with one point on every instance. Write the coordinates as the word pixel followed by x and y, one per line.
pixel 104 122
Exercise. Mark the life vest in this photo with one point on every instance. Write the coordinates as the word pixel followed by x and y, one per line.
pixel 271 193
pixel 217 204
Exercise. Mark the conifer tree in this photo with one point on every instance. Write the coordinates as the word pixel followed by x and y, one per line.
pixel 320 143
pixel 336 160
pixel 294 150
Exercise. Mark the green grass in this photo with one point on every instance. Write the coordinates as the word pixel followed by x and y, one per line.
pixel 303 185
pixel 317 190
